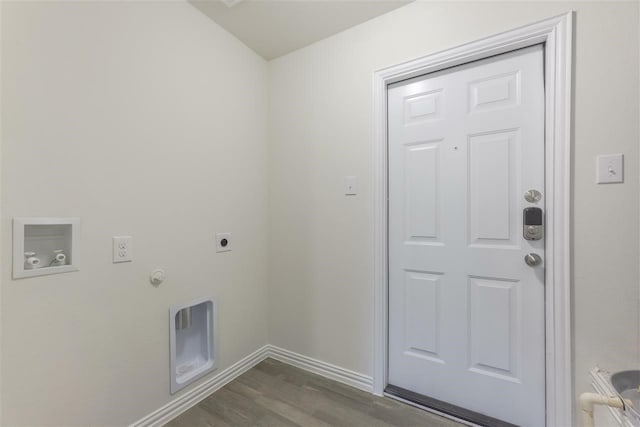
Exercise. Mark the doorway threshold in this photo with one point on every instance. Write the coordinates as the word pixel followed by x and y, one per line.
pixel 455 412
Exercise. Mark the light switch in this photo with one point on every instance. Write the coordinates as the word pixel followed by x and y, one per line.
pixel 122 248
pixel 350 185
pixel 610 169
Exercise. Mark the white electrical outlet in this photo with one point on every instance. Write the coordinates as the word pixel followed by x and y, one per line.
pixel 122 248
pixel 223 242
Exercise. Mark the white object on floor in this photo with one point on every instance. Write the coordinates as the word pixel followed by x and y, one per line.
pixel 589 400
pixel 601 382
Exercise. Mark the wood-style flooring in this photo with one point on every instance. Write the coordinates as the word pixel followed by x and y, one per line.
pixel 276 394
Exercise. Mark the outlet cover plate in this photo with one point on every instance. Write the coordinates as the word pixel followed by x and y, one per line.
pixel 223 242
pixel 122 249
pixel 610 169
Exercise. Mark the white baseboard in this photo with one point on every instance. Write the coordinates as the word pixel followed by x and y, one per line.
pixel 196 395
pixel 333 372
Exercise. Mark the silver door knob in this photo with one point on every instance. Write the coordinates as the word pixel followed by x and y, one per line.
pixel 532 260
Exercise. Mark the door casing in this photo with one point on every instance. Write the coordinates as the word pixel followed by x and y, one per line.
pixel 556 35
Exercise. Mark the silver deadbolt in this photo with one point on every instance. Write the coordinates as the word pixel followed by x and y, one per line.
pixel 532 259
pixel 532 228
pixel 532 196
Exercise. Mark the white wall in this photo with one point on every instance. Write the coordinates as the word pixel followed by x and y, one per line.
pixel 163 116
pixel 2 260
pixel 320 129
pixel 142 118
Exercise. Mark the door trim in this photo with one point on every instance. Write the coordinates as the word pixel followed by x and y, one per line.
pixel 556 34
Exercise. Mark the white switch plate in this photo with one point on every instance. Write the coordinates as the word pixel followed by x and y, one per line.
pixel 122 248
pixel 223 242
pixel 350 185
pixel 610 169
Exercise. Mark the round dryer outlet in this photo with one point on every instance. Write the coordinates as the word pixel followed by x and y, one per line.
pixel 223 242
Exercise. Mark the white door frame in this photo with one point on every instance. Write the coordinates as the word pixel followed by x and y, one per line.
pixel 556 35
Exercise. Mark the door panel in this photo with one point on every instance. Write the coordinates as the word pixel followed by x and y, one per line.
pixel 421 187
pixel 493 206
pixel 493 333
pixel 466 314
pixel 495 92
pixel 421 316
pixel 425 106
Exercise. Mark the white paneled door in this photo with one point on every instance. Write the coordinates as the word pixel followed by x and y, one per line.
pixel 466 312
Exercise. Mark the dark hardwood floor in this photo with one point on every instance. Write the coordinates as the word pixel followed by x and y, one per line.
pixel 276 394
